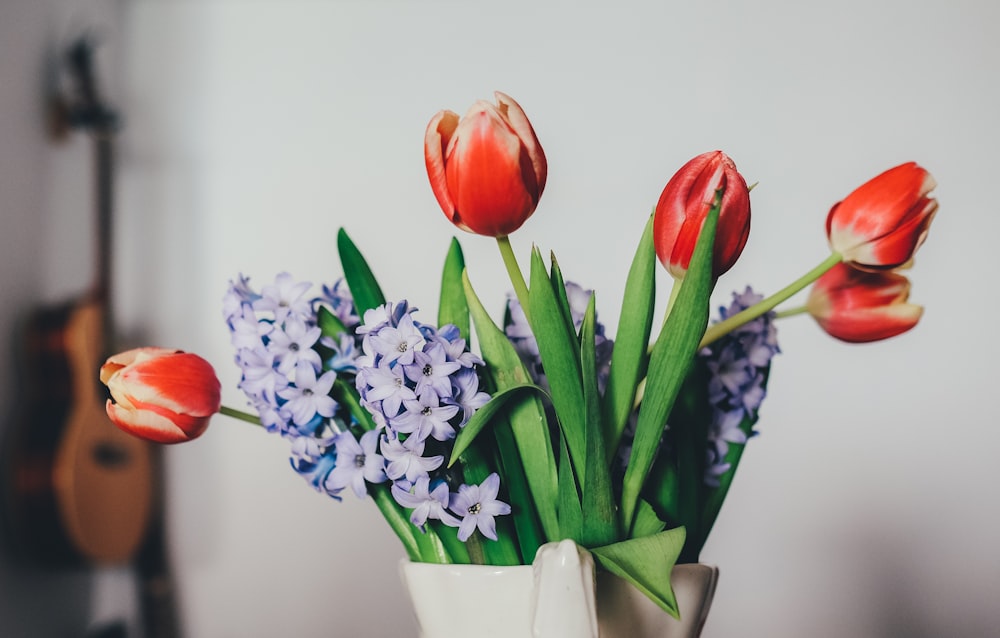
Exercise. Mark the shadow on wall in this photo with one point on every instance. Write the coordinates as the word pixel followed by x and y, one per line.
pixel 906 594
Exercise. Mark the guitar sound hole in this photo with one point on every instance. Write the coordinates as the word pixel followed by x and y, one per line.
pixel 109 455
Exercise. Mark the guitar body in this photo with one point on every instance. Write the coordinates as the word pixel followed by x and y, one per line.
pixel 82 488
pixel 79 490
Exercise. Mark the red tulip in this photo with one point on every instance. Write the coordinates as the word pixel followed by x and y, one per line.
pixel 162 395
pixel 881 224
pixel 858 306
pixel 487 169
pixel 683 208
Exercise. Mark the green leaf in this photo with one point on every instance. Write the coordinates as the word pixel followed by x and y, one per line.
pixel 330 324
pixel 646 562
pixel 559 290
pixel 452 307
pixel 647 522
pixel 570 510
pixel 485 416
pixel 599 514
pixel 523 510
pixel 347 395
pixel 527 417
pixel 629 357
pixel 689 422
pixel 364 288
pixel 559 350
pixel 670 361
pixel 457 550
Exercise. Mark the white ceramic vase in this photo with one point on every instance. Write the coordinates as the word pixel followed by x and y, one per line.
pixel 558 596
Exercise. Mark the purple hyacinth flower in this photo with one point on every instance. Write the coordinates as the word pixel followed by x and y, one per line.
pixel 478 505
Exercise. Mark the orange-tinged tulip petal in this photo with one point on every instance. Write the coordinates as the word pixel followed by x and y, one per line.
pixel 857 306
pixel 882 223
pixel 684 206
pixel 162 395
pixel 487 169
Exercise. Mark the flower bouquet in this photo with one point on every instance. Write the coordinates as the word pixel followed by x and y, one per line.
pixel 481 438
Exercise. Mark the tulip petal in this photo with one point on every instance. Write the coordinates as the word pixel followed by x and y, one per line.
pixel 882 223
pixel 484 171
pixel 684 205
pixel 153 426
pixel 162 395
pixel 872 324
pixel 436 139
pixel 181 382
pixel 519 122
pixel 858 306
pixel 122 359
pixel 487 169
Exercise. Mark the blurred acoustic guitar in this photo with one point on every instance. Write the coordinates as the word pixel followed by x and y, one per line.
pixel 84 492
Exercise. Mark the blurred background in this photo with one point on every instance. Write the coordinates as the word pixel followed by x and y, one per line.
pixel 254 129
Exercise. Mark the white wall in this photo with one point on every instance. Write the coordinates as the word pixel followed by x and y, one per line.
pixel 256 129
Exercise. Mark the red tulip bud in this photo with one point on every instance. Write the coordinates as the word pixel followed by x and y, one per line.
pixel 858 306
pixel 165 396
pixel 882 223
pixel 683 208
pixel 487 169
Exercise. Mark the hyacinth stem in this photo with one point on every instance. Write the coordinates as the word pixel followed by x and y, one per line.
pixel 723 328
pixel 239 414
pixel 514 272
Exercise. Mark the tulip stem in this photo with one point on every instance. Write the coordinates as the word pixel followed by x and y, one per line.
pixel 722 328
pixel 514 272
pixel 791 312
pixel 239 414
pixel 675 290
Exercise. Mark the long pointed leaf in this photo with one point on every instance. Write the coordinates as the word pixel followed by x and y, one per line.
pixel 523 509
pixel 599 516
pixel 670 361
pixel 570 510
pixel 452 306
pixel 527 418
pixel 484 416
pixel 629 357
pixel 559 350
pixel 364 287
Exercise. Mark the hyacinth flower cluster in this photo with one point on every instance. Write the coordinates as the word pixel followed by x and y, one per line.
pixel 421 386
pixel 288 372
pixel 397 410
pixel 738 365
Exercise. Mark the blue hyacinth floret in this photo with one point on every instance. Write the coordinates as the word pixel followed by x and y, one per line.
pixel 737 365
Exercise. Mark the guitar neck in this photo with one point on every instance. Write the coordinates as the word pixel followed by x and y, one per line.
pixel 104 207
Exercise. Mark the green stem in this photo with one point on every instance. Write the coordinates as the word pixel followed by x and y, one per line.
pixel 791 312
pixel 674 291
pixel 239 414
pixel 723 328
pixel 514 272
